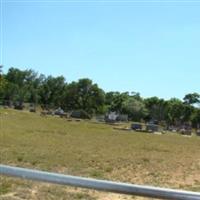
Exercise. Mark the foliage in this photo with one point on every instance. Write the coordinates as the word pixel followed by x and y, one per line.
pixel 115 100
pixel 135 108
pixel 20 86
pixel 192 98
pixel 196 118
pixel 156 107
pixel 51 91
pixel 84 95
pixel 80 114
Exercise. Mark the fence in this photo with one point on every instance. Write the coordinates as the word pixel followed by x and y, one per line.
pixel 109 186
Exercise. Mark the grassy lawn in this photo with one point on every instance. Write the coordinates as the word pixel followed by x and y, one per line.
pixel 92 150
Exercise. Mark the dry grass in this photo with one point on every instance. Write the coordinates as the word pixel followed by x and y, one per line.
pixel 92 150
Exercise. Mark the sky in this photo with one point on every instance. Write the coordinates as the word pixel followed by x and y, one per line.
pixel 150 47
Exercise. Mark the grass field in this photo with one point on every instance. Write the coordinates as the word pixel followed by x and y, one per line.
pixel 92 150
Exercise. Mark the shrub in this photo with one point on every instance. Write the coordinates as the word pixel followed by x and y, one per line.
pixel 80 114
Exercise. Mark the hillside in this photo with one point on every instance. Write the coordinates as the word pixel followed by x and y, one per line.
pixel 85 148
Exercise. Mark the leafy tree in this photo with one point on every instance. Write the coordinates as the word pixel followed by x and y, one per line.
pixel 28 86
pixel 22 85
pixel 156 107
pixel 110 96
pixel 10 91
pixel 196 118
pixel 187 113
pixel 175 112
pixel 2 84
pixel 16 76
pixel 192 98
pixel 52 91
pixel 118 100
pixel 1 70
pixel 135 108
pixel 31 86
pixel 84 95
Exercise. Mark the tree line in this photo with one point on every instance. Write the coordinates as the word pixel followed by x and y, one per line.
pixel 20 86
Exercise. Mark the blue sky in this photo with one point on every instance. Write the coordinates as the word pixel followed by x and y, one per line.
pixel 150 47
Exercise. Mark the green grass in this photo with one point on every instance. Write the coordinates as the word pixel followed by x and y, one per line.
pixel 93 150
pixel 4 187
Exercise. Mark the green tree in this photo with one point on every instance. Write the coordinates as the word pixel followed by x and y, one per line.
pixel 156 108
pixel 1 70
pixel 196 118
pixel 178 112
pixel 2 84
pixel 22 85
pixel 192 98
pixel 84 95
pixel 52 91
pixel 118 100
pixel 135 108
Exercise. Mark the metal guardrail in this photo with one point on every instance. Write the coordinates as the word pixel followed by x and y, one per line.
pixel 109 186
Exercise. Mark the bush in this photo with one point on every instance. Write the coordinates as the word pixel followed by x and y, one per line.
pixel 32 109
pixel 82 114
pixel 18 105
